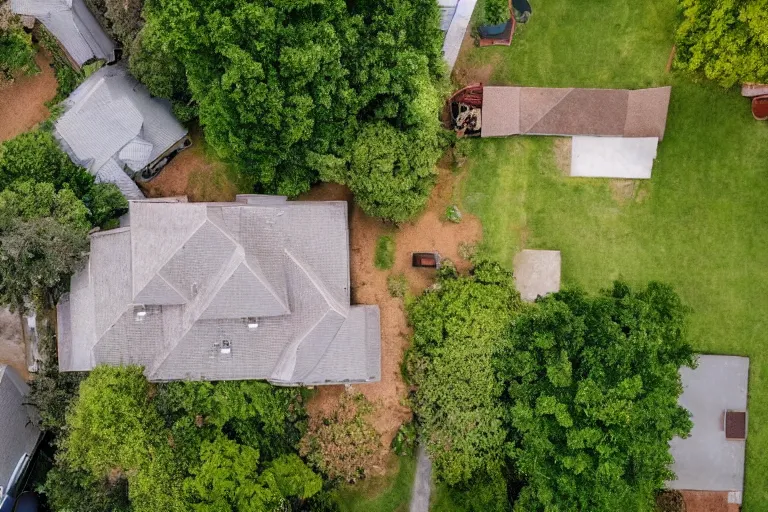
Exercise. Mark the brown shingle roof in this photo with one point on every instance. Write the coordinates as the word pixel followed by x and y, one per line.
pixel 600 112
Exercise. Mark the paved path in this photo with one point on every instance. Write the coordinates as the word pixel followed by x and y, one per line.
pixel 422 484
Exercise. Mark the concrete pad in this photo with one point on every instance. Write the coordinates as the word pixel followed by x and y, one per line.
pixel 457 28
pixel 613 157
pixel 537 273
pixel 706 460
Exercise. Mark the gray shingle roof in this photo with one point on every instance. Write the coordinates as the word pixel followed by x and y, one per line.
pixel 18 435
pixel 112 126
pixel 180 289
pixel 73 25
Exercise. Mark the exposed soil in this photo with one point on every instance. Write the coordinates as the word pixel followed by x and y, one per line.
pixel 11 343
pixel 465 72
pixel 22 102
pixel 562 151
pixel 708 501
pixel 194 174
pixel 623 191
pixel 369 286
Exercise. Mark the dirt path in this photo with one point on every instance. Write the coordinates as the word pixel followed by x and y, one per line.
pixel 369 286
pixel 22 103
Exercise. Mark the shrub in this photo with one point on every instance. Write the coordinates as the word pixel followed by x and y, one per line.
pixel 452 214
pixel 467 251
pixel 404 442
pixel 670 501
pixel 385 253
pixel 397 285
pixel 495 12
pixel 17 55
pixel 346 444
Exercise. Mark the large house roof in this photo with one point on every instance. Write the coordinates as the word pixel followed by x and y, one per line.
pixel 112 123
pixel 18 434
pixel 256 289
pixel 73 25
pixel 598 112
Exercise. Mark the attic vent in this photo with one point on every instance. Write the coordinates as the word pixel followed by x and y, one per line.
pixel 253 323
pixel 735 424
pixel 139 312
pixel 194 289
pixel 226 347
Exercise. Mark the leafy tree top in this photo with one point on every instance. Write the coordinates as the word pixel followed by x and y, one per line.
pixel 726 41
pixel 591 390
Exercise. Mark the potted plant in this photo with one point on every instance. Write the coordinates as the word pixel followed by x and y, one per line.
pixel 495 17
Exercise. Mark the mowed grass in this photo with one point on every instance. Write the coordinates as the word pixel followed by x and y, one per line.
pixel 699 224
pixel 388 493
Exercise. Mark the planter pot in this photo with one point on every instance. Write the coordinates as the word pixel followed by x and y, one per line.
pixel 760 108
pixel 493 30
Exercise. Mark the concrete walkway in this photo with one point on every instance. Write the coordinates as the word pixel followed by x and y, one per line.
pixel 422 485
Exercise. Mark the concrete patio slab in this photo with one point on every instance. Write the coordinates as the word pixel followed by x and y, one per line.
pixel 706 460
pixel 613 157
pixel 537 273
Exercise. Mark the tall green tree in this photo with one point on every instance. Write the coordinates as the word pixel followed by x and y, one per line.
pixel 43 239
pixel 36 156
pixel 726 40
pixel 457 328
pixel 284 88
pixel 591 389
pixel 181 446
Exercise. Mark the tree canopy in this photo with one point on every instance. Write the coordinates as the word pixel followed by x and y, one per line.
pixel 42 240
pixel 284 88
pixel 457 328
pixel 727 41
pixel 569 402
pixel 182 446
pixel 591 389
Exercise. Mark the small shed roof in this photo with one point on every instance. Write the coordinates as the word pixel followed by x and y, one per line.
pixel 707 460
pixel 568 111
pixel 73 25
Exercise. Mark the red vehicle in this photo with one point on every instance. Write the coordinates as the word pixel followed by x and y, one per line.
pixel 426 259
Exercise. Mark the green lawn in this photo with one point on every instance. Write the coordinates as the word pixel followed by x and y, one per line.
pixel 388 493
pixel 699 224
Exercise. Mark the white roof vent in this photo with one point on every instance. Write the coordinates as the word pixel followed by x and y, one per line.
pixel 226 347
pixel 139 313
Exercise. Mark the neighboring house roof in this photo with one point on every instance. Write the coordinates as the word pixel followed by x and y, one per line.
pixel 706 460
pixel 73 25
pixel 601 112
pixel 112 123
pixel 255 289
pixel 18 433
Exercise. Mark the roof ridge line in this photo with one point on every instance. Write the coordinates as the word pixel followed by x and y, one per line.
pixel 238 256
pixel 520 105
pixel 310 273
pixel 166 260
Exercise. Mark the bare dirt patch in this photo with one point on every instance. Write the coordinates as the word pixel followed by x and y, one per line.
pixel 623 191
pixel 22 102
pixel 195 174
pixel 466 72
pixel 562 152
pixel 369 286
pixel 11 343
pixel 708 501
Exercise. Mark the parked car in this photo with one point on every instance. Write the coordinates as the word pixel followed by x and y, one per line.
pixel 426 259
